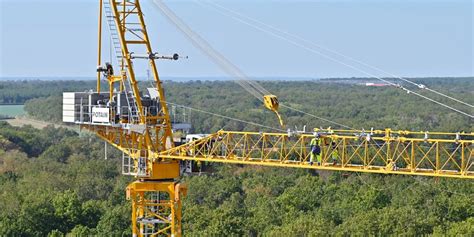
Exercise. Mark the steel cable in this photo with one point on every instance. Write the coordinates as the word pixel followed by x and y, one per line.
pixel 251 86
pixel 345 64
pixel 227 117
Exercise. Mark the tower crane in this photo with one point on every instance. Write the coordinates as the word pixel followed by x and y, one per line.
pixel 138 124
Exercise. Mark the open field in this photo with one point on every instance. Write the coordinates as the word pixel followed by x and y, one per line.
pixel 20 121
pixel 12 110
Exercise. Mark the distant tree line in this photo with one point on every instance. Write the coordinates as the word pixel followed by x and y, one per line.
pixel 18 92
pixel 354 105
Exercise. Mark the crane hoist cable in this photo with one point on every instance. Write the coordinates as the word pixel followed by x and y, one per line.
pixel 270 101
pixel 315 51
pixel 419 85
pixel 315 116
pixel 223 63
pixel 227 117
pixel 220 115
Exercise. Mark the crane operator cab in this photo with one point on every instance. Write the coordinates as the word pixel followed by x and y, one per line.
pixel 118 107
pixel 93 108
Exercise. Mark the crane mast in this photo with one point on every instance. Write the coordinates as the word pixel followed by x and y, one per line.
pixel 142 130
pixel 138 124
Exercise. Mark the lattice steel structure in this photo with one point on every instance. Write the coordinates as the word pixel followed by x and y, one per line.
pixel 144 135
pixel 140 131
pixel 379 151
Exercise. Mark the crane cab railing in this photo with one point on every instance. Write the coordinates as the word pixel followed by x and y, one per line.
pixel 91 108
pixel 106 115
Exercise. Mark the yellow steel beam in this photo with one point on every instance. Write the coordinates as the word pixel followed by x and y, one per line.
pixel 99 43
pixel 377 151
pixel 386 152
pixel 120 22
pixel 156 207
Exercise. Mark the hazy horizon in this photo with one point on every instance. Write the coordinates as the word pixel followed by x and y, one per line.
pixel 217 78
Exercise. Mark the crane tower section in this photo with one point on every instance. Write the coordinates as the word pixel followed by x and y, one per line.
pixel 137 123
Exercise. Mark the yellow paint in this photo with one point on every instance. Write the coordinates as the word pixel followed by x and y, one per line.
pixel 376 151
pixel 271 103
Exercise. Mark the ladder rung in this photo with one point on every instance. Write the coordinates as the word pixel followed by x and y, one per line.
pixel 135 42
pixel 135 29
pixel 120 4
pixel 121 12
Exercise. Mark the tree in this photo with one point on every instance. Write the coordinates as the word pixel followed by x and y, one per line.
pixel 67 209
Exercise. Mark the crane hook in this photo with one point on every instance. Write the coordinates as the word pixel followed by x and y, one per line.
pixel 271 103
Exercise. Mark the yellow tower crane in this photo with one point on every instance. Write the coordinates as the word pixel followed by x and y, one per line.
pixel 139 125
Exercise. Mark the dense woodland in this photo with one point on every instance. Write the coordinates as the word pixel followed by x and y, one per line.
pixel 18 92
pixel 56 181
pixel 347 102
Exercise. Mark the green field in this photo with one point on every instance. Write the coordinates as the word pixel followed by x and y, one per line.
pixel 12 110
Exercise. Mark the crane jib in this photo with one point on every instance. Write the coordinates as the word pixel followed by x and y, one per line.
pixel 139 125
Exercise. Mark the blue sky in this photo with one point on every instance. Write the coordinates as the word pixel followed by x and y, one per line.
pixel 407 37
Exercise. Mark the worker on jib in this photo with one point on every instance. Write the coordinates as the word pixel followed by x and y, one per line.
pixel 315 146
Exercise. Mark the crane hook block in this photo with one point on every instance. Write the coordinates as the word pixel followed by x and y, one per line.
pixel 271 103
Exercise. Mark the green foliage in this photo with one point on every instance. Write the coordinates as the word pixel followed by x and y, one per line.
pixel 46 109
pixel 80 230
pixel 67 208
pixel 64 189
pixel 349 102
pixel 55 233
pixel 18 92
pixel 310 205
pixel 115 222
pixel 55 182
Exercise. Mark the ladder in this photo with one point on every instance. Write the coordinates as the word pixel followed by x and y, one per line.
pixel 131 167
pixel 133 113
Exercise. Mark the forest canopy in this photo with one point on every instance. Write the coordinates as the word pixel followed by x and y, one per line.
pixel 56 181
pixel 346 101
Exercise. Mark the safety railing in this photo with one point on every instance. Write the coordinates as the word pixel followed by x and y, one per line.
pixel 413 153
pixel 110 115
